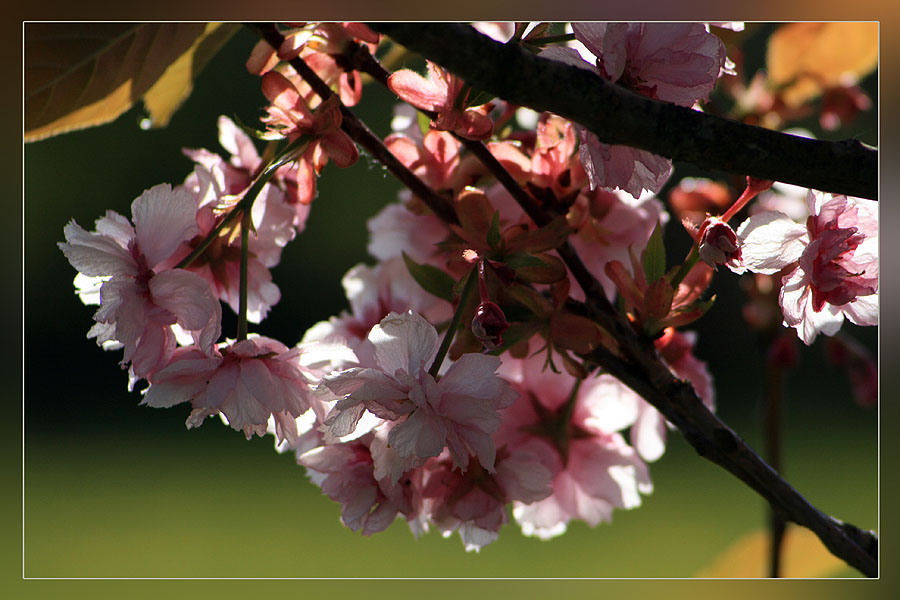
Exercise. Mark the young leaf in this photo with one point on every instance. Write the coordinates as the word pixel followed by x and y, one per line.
pixel 654 257
pixel 543 268
pixel 78 75
pixel 493 234
pixel 423 122
pixel 433 280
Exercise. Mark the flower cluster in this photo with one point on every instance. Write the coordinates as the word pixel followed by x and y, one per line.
pixel 423 401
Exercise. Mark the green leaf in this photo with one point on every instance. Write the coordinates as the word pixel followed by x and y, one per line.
pixel 424 122
pixel 550 270
pixel 79 75
pixel 654 257
pixel 523 260
pixel 433 280
pixel 258 134
pixel 493 234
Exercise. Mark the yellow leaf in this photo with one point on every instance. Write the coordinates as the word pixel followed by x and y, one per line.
pixel 79 75
pixel 173 88
pixel 802 556
pixel 809 57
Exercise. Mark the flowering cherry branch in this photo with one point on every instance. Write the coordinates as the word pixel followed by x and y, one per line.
pixel 549 220
pixel 619 116
pixel 638 365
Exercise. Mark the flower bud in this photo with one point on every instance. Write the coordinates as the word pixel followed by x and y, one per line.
pixel 718 243
pixel 489 325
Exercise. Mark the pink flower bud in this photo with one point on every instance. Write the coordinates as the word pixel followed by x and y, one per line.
pixel 718 243
pixel 489 325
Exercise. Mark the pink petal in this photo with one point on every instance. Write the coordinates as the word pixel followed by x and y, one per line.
pixel 422 435
pixel 94 254
pixel 406 342
pixel 189 298
pixel 163 218
pixel 418 91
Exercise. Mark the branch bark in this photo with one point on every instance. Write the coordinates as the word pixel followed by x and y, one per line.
pixel 641 368
pixel 618 116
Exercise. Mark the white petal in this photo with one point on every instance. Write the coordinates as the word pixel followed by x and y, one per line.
pixel 648 435
pixel 770 241
pixel 609 405
pixel 88 288
pixel 863 310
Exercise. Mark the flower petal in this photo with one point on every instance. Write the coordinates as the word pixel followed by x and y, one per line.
pixel 769 242
pixel 406 342
pixel 163 218
pixel 189 298
pixel 94 254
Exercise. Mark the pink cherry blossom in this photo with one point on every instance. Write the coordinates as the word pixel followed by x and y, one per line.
pixel 246 381
pixel 290 117
pixel 829 267
pixel 434 158
pixel 474 502
pixel 373 293
pixel 439 93
pixel 607 225
pixel 672 62
pixel 234 176
pixel 219 264
pixel 594 469
pixel 346 474
pixel 459 411
pixel 397 229
pixel 140 300
pixel 622 167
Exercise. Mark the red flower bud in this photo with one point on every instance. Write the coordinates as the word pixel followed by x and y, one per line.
pixel 718 243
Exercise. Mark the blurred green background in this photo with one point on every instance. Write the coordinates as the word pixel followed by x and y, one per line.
pixel 112 489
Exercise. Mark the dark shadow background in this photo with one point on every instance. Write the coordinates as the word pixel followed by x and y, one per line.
pixel 115 489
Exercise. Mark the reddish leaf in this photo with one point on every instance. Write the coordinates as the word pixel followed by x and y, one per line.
pixel 82 74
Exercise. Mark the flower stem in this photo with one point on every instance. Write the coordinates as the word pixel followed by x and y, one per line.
pixel 246 223
pixel 454 324
pixel 685 268
pixel 247 201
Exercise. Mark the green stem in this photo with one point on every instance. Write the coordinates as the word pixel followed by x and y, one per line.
pixel 685 268
pixel 454 323
pixel 246 223
pixel 285 156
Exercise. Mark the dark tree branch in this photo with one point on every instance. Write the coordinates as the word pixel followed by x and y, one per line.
pixel 641 368
pixel 619 116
